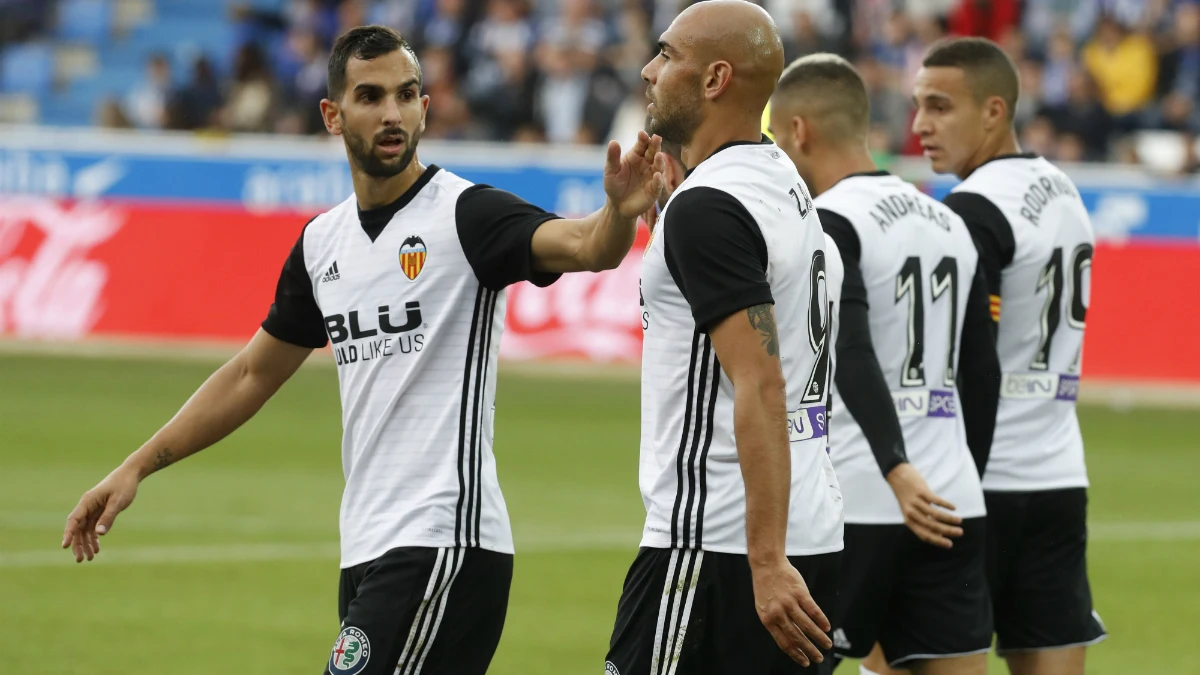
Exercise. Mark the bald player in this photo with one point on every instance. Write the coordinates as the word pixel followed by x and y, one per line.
pixel 1035 246
pixel 743 528
pixel 918 373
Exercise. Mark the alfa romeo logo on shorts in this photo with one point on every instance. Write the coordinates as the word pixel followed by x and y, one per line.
pixel 350 653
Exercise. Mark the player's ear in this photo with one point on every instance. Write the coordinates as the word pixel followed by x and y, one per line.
pixel 424 110
pixel 800 132
pixel 329 113
pixel 717 79
pixel 995 112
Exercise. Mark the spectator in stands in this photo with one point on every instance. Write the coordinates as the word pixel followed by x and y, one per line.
pixel 448 116
pixel 302 69
pixel 567 57
pixel 110 115
pixel 445 27
pixel 806 26
pixel 1083 116
pixel 890 108
pixel 1179 74
pixel 146 103
pixel 1125 67
pixel 197 104
pixel 251 96
pixel 498 86
pixel 1060 66
pixel 1029 100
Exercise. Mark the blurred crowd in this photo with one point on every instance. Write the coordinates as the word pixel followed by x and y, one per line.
pixel 1096 74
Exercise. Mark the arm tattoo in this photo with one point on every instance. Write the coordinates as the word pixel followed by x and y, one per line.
pixel 163 459
pixel 762 319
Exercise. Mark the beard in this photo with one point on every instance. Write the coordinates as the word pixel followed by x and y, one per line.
pixel 362 151
pixel 675 120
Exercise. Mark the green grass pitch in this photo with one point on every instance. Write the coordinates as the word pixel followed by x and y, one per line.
pixel 227 562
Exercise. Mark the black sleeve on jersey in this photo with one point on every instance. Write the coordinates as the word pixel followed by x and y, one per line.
pixel 991 231
pixel 716 254
pixel 842 233
pixel 858 375
pixel 496 231
pixel 979 373
pixel 294 316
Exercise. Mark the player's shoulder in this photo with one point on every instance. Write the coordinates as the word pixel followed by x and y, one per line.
pixel 858 191
pixel 326 225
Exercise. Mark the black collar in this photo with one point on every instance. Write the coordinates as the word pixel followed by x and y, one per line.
pixel 374 220
pixel 878 173
pixel 763 141
pixel 1011 155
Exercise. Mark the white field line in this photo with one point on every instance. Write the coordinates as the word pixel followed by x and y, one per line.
pixel 534 542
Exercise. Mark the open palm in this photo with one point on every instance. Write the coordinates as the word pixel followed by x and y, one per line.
pixel 634 181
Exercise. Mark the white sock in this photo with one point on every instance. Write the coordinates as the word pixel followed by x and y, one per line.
pixel 863 670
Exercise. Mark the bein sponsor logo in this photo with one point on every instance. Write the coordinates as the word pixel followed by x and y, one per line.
pixel 1029 385
pixel 49 286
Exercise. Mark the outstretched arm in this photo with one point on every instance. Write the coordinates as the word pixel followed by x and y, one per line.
pixel 222 404
pixel 600 241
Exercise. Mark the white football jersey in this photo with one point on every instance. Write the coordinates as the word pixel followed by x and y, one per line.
pixel 411 296
pixel 740 231
pixel 1035 232
pixel 917 264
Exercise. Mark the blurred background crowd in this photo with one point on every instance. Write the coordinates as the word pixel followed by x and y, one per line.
pixel 1102 80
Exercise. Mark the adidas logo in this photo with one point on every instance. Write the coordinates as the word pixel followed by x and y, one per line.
pixel 332 273
pixel 839 639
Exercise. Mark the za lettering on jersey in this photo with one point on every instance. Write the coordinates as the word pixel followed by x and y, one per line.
pixel 916 261
pixel 739 232
pixel 411 297
pixel 1036 243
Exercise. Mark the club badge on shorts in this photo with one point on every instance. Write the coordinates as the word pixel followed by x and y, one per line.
pixel 412 256
pixel 350 652
pixel 610 668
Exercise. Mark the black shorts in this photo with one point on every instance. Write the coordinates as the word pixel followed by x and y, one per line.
pixel 687 612
pixel 916 600
pixel 426 611
pixel 1037 570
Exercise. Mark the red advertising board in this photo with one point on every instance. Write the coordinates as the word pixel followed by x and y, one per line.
pixel 70 270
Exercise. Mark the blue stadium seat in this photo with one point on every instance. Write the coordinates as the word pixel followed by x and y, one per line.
pixel 27 68
pixel 87 21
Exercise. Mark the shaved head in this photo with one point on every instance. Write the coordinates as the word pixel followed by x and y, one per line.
pixel 740 33
pixel 829 94
pixel 719 58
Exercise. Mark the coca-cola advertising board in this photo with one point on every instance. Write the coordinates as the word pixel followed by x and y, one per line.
pixel 196 257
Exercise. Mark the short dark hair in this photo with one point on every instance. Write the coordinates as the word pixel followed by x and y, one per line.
pixel 987 69
pixel 831 92
pixel 366 43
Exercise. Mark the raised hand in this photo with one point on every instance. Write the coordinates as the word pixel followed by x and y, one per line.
pixel 634 181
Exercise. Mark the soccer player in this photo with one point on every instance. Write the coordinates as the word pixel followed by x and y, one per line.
pixel 406 279
pixel 1035 248
pixel 918 373
pixel 742 502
